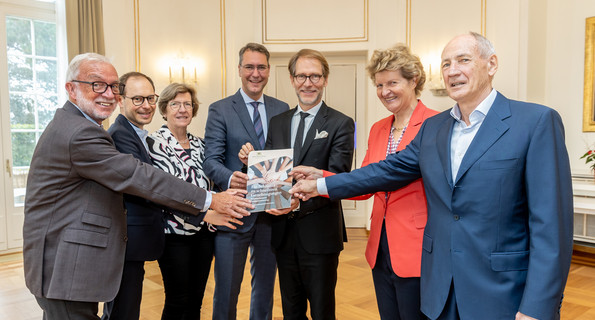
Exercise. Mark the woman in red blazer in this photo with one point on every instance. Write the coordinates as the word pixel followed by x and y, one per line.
pixel 398 217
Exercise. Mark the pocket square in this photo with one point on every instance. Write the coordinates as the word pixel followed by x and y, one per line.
pixel 321 134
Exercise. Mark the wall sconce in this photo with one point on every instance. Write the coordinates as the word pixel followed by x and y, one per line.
pixel 184 70
pixel 436 84
pixel 180 75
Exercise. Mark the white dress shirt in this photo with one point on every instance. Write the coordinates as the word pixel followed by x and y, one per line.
pixel 295 121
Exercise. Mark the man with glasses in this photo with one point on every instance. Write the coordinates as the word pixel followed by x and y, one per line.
pixel 74 234
pixel 233 121
pixel 144 218
pixel 308 239
pixel 499 236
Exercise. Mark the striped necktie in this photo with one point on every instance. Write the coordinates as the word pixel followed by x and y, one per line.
pixel 258 124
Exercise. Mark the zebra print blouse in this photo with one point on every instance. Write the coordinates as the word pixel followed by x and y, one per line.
pixel 168 155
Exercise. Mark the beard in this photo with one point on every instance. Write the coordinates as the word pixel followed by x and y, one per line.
pixel 310 101
pixel 89 108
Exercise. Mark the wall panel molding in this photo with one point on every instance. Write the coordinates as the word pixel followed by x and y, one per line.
pixel 298 25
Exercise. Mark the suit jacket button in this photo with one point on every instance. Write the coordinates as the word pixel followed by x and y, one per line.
pixel 125 211
pixel 125 238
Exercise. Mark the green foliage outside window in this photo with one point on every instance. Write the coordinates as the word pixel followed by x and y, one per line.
pixel 33 84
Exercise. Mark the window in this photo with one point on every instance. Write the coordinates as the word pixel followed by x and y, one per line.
pixel 31 70
pixel 32 87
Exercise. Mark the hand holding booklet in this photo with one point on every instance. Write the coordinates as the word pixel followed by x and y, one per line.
pixel 269 180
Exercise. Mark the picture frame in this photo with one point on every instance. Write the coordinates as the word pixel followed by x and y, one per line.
pixel 588 101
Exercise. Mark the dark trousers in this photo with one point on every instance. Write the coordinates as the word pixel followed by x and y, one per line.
pixel 63 309
pixel 126 305
pixel 231 250
pixel 185 266
pixel 306 277
pixel 398 298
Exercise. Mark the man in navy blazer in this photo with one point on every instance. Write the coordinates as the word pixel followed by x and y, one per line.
pixel 233 121
pixel 144 218
pixel 496 173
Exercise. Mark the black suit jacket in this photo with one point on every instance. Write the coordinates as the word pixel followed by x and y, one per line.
pixel 145 223
pixel 320 226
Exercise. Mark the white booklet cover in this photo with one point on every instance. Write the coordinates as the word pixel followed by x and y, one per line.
pixel 269 180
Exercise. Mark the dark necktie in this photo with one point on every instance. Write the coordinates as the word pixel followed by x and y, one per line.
pixel 258 124
pixel 299 136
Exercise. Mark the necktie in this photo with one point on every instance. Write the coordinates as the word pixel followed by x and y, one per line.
pixel 299 136
pixel 258 124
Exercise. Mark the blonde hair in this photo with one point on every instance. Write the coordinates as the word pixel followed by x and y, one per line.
pixel 398 58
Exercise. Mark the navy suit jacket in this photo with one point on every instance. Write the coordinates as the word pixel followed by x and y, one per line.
pixel 320 226
pixel 228 128
pixel 502 230
pixel 145 223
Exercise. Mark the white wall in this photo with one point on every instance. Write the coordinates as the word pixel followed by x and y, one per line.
pixel 564 71
pixel 540 43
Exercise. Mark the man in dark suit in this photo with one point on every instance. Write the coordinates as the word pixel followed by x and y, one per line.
pixel 233 121
pixel 144 219
pixel 308 240
pixel 74 234
pixel 498 241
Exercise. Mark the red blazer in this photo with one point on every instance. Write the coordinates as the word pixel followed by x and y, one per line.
pixel 406 212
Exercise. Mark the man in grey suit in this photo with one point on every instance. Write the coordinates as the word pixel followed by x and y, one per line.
pixel 75 222
pixel 233 121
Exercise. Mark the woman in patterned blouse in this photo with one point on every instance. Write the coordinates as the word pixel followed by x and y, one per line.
pixel 186 260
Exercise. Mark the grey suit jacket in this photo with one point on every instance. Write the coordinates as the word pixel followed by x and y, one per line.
pixel 228 128
pixel 75 223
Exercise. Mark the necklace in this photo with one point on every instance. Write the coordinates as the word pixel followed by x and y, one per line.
pixel 183 141
pixel 403 127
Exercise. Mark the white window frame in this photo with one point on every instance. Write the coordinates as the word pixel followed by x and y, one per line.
pixel 11 217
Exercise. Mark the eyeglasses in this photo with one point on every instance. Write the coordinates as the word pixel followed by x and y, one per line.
pixel 101 87
pixel 139 100
pixel 250 68
pixel 301 78
pixel 175 105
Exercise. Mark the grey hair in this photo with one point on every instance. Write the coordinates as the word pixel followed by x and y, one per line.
pixel 484 46
pixel 75 64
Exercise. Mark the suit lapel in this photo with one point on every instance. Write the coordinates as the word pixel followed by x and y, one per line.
pixel 286 134
pixel 317 124
pixel 417 118
pixel 492 128
pixel 240 107
pixel 443 146
pixel 268 106
pixel 124 122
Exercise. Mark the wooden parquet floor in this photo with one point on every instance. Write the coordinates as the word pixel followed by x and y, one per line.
pixel 355 290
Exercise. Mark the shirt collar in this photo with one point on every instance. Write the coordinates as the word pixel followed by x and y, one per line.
pixel 141 133
pixel 313 111
pixel 480 111
pixel 84 114
pixel 247 99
